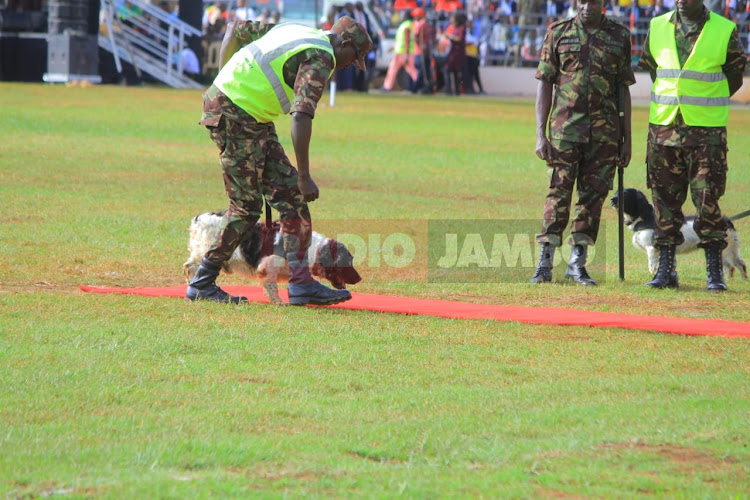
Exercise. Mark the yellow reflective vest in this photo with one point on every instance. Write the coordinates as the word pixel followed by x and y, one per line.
pixel 399 45
pixel 699 90
pixel 253 78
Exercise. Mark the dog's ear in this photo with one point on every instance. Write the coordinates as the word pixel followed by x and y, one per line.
pixel 345 265
pixel 643 205
pixel 630 202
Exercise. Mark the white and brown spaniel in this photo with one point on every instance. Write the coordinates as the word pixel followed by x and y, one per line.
pixel 327 258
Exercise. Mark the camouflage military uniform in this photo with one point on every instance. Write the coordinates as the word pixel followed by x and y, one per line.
pixel 586 69
pixel 253 161
pixel 679 155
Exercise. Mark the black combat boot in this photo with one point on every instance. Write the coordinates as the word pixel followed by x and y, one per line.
pixel 303 289
pixel 714 268
pixel 203 285
pixel 543 272
pixel 666 274
pixel 577 266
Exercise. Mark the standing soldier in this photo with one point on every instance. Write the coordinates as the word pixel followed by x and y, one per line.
pixel 696 63
pixel 265 72
pixel 587 61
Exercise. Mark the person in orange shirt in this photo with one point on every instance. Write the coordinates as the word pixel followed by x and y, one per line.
pixel 448 5
pixel 404 5
pixel 422 52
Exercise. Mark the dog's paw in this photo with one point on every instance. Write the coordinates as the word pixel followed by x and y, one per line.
pixel 272 292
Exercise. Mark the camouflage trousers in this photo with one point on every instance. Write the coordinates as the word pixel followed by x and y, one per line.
pixel 590 169
pixel 254 166
pixel 670 172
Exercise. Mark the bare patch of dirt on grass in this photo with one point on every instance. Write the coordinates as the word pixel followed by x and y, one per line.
pixel 688 460
pixel 265 473
pixel 376 457
pixel 545 493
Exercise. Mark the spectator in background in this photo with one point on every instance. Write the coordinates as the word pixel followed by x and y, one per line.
pixel 506 7
pixel 345 76
pixel 362 78
pixel 471 66
pixel 265 16
pixel 215 21
pixel 572 10
pixel 656 10
pixel 633 12
pixel 403 53
pixel 454 65
pixel 189 61
pixel 482 29
pixel 243 12
pixel 423 34
pixel 400 5
pixel 530 12
pixel 501 36
pixel 716 6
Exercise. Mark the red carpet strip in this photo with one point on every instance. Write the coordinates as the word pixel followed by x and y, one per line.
pixel 464 310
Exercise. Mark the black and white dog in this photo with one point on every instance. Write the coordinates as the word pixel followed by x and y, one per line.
pixel 638 215
pixel 327 258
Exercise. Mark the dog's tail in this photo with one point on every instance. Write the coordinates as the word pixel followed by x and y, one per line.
pixel 740 216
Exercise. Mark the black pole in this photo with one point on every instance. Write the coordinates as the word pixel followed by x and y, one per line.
pixel 191 12
pixel 620 189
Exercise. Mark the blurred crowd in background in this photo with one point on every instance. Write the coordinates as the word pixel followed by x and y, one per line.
pixel 494 32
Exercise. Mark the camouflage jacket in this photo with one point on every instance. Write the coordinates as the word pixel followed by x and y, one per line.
pixel 586 69
pixel 678 133
pixel 306 73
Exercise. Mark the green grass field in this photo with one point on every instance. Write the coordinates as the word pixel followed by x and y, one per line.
pixel 111 396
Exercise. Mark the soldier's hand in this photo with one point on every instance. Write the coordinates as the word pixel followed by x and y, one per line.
pixel 308 188
pixel 543 148
pixel 625 154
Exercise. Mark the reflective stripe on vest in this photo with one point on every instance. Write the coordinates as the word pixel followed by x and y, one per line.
pixel 699 90
pixel 253 78
pixel 400 42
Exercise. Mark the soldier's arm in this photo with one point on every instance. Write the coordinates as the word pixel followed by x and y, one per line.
pixel 624 80
pixel 301 134
pixel 627 141
pixel 647 61
pixel 239 34
pixel 312 76
pixel 735 64
pixel 543 107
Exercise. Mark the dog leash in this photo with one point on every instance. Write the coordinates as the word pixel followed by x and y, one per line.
pixel 268 215
pixel 740 216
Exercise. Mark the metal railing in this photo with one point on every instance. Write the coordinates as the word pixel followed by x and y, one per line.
pixel 509 50
pixel 148 38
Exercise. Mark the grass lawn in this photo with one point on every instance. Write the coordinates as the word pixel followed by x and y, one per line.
pixel 113 396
